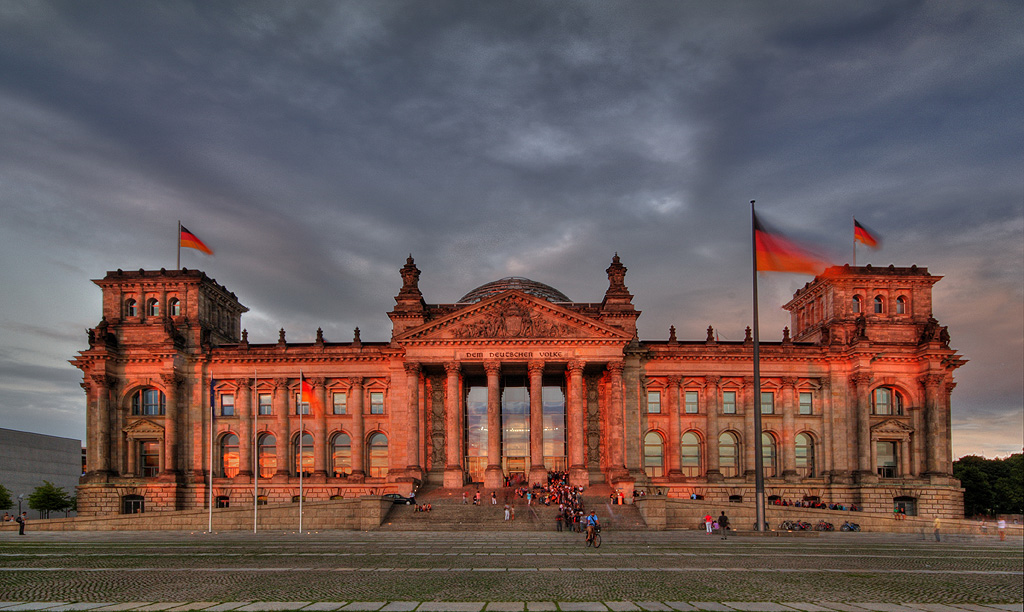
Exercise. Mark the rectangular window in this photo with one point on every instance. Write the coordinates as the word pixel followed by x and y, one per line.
pixel 728 402
pixel 767 402
pixel 300 406
pixel 691 402
pixel 377 402
pixel 654 402
pixel 886 456
pixel 149 458
pixel 806 403
pixel 340 403
pixel 227 405
pixel 265 407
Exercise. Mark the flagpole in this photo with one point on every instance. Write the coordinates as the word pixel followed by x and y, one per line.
pixel 758 458
pixel 209 488
pixel 854 242
pixel 256 448
pixel 302 451
pixel 178 242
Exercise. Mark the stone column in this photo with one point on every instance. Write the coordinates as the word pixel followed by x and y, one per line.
pixel 862 408
pixel 355 404
pixel 675 434
pixel 318 416
pixel 787 450
pixel 826 465
pixel 171 382
pixel 713 393
pixel 493 474
pixel 283 438
pixel 750 404
pixel 934 421
pixel 538 473
pixel 454 477
pixel 412 384
pixel 100 436
pixel 578 475
pixel 243 407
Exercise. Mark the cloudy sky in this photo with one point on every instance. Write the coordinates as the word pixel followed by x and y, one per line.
pixel 314 145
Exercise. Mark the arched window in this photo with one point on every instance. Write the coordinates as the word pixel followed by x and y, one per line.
pixel 303 455
pixel 886 401
pixel 879 302
pixel 654 455
pixel 804 447
pixel 229 456
pixel 378 455
pixel 690 454
pixel 769 457
pixel 341 455
pixel 148 402
pixel 152 307
pixel 901 305
pixel 267 455
pixel 131 308
pixel 856 304
pixel 728 455
pixel 174 307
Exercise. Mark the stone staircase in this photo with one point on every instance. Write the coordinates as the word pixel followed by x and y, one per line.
pixel 450 514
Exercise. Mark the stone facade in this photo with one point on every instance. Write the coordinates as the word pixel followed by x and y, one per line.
pixel 510 382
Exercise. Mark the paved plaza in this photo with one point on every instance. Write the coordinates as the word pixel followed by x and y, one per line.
pixel 478 571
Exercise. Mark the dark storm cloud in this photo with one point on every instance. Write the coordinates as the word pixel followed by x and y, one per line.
pixel 316 144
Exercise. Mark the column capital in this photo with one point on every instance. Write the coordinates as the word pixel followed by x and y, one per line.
pixel 535 367
pixel 317 381
pixel 412 368
pixel 242 382
pixel 172 380
pixel 491 367
pixel 713 380
pixel 576 365
pixel 931 380
pixel 860 379
pixel 825 383
pixel 616 367
pixel 102 380
pixel 355 381
pixel 748 382
pixel 453 367
pixel 280 383
pixel 789 381
pixel 675 380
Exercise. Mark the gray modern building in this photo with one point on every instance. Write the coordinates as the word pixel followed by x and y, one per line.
pixel 27 459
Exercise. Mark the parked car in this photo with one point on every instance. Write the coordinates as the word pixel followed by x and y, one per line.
pixel 399 499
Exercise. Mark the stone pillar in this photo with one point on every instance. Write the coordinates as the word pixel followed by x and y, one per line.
pixel 412 384
pixel 101 433
pixel 750 404
pixel 355 404
pixel 934 424
pixel 171 382
pixel 713 394
pixel 454 476
pixel 280 407
pixel 675 434
pixel 826 465
pixel 538 473
pixel 243 407
pixel 318 416
pixel 862 409
pixel 493 474
pixel 578 475
pixel 787 450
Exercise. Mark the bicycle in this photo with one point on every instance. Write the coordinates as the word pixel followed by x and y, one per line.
pixel 595 540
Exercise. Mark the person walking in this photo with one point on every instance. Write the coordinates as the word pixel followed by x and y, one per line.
pixel 506 512
pixel 1001 526
pixel 723 525
pixel 708 522
pixel 558 521
pixel 936 524
pixel 494 499
pixel 21 523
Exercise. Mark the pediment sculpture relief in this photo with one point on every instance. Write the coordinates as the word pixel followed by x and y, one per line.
pixel 514 321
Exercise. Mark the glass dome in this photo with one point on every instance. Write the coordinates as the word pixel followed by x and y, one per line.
pixel 518 283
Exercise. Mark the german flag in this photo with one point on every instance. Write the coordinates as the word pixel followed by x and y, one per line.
pixel 307 396
pixel 865 236
pixel 776 253
pixel 190 240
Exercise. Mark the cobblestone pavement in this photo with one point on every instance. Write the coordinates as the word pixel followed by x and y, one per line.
pixel 476 571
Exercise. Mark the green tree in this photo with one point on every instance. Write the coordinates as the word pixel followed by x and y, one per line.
pixel 48 498
pixel 5 498
pixel 991 486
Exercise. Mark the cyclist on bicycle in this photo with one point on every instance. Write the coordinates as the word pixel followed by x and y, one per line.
pixel 592 525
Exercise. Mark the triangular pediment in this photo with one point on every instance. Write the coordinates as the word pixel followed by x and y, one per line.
pixel 513 315
pixel 892 426
pixel 144 427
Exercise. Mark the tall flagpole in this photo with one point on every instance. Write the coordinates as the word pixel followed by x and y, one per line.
pixel 854 242
pixel 209 487
pixel 177 241
pixel 758 458
pixel 256 448
pixel 302 450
